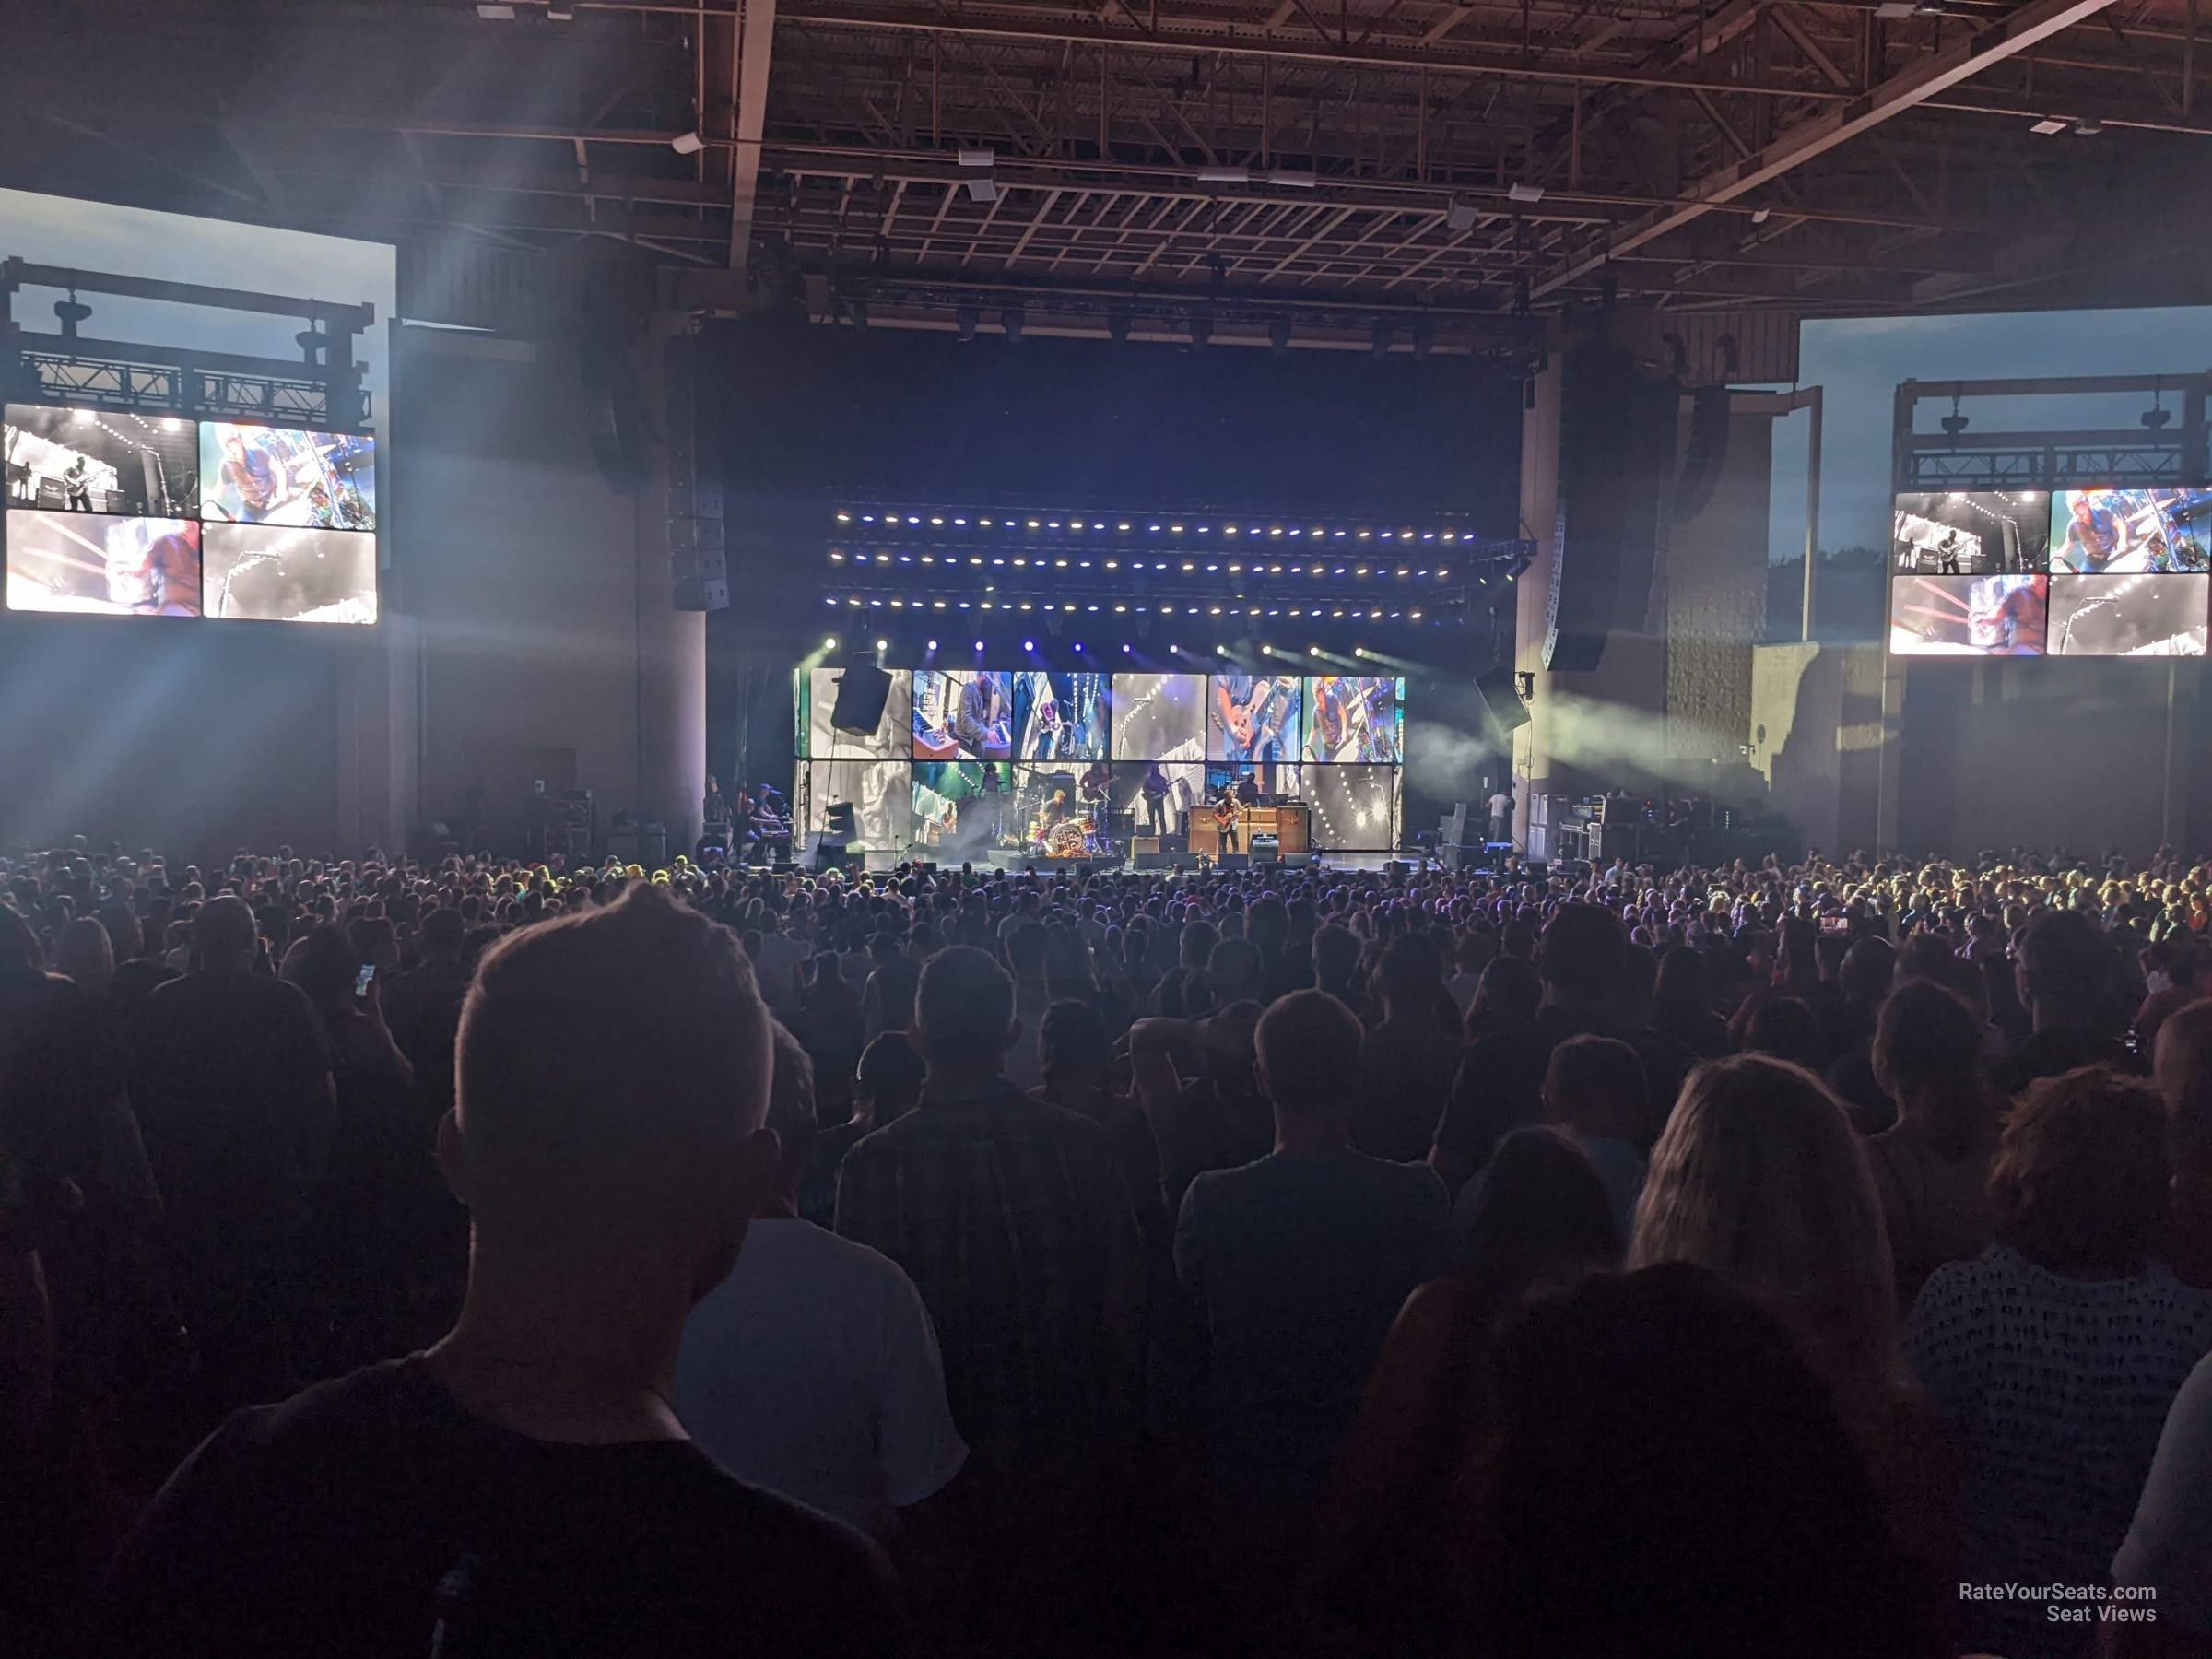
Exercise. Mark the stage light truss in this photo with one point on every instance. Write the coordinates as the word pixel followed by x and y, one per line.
pixel 2053 466
pixel 177 389
pixel 1451 608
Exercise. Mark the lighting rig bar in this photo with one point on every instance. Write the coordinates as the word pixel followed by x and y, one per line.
pixel 176 388
pixel 2132 464
pixel 2169 445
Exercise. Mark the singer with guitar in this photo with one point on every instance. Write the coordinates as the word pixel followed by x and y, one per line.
pixel 1228 819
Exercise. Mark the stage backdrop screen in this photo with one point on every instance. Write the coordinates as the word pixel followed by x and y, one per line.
pixel 259 574
pixel 814 694
pixel 1040 734
pixel 1970 533
pixel 1967 616
pixel 268 475
pixel 1061 717
pixel 2126 531
pixel 2129 615
pixel 878 793
pixel 963 714
pixel 103 565
pixel 96 460
pixel 1159 717
pixel 1253 717
pixel 1351 719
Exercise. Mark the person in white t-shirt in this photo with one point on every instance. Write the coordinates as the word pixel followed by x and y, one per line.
pixel 813 1368
pixel 1502 817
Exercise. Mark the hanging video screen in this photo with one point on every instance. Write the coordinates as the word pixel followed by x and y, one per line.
pixel 1967 616
pixel 2129 615
pixel 2127 532
pixel 1153 797
pixel 97 565
pixel 261 574
pixel 1061 717
pixel 1355 807
pixel 1160 716
pixel 95 461
pixel 1970 533
pixel 268 475
pixel 960 807
pixel 876 790
pixel 817 737
pixel 1253 717
pixel 1355 718
pixel 963 715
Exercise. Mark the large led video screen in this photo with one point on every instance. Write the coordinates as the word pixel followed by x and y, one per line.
pixel 960 807
pixel 1970 533
pixel 876 790
pixel 1967 616
pixel 1353 719
pixel 1355 807
pixel 97 461
pixel 1060 717
pixel 1160 716
pixel 258 574
pixel 960 714
pixel 102 565
pixel 2141 615
pixel 1155 796
pixel 269 475
pixel 2124 532
pixel 815 702
pixel 1255 717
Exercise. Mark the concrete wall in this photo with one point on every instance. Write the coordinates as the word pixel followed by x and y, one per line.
pixel 1816 724
pixel 543 639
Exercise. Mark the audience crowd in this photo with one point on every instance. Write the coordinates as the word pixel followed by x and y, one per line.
pixel 476 1257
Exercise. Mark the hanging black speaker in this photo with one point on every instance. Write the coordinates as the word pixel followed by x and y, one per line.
pixel 1501 701
pixel 861 691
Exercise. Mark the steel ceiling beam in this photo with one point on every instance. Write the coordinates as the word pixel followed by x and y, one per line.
pixel 1925 79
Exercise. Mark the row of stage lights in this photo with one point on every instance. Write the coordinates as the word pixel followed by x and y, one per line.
pixel 1186 567
pixel 1311 653
pixel 1153 527
pixel 1124 607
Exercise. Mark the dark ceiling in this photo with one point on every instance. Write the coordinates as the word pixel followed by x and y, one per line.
pixel 1418 170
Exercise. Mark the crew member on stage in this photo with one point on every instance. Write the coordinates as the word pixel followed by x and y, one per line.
pixel 1248 790
pixel 714 820
pixel 1502 816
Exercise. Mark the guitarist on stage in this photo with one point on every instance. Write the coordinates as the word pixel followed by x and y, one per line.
pixel 1228 817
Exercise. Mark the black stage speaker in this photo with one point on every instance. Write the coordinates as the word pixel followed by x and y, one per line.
pixel 862 691
pixel 1501 701
pixel 697 553
pixel 1616 451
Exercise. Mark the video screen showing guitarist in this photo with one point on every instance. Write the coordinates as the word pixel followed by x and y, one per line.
pixel 1253 718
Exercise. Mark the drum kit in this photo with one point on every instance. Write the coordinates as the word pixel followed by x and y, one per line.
pixel 1070 838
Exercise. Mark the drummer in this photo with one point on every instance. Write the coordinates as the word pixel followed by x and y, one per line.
pixel 1056 810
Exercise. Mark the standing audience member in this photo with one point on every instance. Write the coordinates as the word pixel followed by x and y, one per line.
pixel 1501 1083
pixel 886 1087
pixel 1594 1089
pixel 1407 1062
pixel 231 1078
pixel 1682 1004
pixel 1540 1220
pixel 2064 975
pixel 2057 1352
pixel 1932 1166
pixel 2166 1557
pixel 1665 1474
pixel 1759 1177
pixel 1298 1264
pixel 524 1487
pixel 812 1369
pixel 85 956
pixel 1011 1219
pixel 2183 1075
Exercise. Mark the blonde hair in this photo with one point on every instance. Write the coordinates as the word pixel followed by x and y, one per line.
pixel 1759 1178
